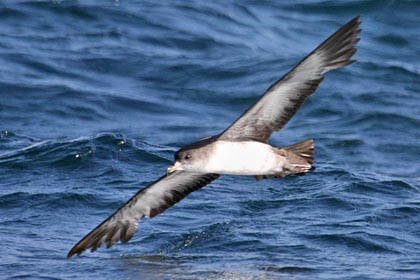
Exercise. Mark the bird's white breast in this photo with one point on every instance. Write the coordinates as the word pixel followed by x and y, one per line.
pixel 242 158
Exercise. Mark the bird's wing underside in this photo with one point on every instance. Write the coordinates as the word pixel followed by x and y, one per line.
pixel 282 100
pixel 149 202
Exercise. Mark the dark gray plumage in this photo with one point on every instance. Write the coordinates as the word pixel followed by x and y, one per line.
pixel 149 202
pixel 282 100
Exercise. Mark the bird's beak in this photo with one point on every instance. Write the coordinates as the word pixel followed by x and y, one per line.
pixel 177 166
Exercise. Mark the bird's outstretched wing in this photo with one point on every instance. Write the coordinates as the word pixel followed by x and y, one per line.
pixel 149 202
pixel 282 100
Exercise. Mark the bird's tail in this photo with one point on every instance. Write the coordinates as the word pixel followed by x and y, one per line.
pixel 304 149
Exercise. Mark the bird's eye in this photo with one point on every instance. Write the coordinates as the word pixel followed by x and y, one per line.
pixel 187 156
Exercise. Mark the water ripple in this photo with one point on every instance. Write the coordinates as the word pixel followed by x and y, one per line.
pixel 80 151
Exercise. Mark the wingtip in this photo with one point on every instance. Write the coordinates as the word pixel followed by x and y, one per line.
pixel 73 252
pixel 341 46
pixel 357 20
pixel 70 254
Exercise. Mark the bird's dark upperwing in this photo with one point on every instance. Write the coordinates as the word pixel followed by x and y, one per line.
pixel 281 101
pixel 149 202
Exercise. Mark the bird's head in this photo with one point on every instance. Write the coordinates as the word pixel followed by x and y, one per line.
pixel 186 160
pixel 194 156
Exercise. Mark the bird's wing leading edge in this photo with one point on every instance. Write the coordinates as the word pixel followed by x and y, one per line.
pixel 149 202
pixel 282 100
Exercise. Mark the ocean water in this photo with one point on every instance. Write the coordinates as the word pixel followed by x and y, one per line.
pixel 96 96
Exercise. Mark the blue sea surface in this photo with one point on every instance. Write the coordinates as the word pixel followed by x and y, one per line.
pixel 96 96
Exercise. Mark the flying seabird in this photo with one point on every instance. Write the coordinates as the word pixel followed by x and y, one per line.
pixel 242 149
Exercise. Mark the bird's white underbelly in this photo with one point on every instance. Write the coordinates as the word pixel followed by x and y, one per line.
pixel 243 158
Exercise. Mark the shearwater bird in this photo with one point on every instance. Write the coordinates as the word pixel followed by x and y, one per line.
pixel 242 149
